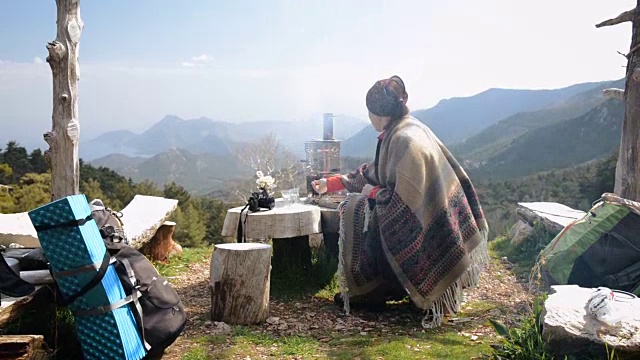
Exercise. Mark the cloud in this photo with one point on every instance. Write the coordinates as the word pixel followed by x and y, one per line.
pixel 198 61
pixel 202 58
pixel 255 73
pixel 37 60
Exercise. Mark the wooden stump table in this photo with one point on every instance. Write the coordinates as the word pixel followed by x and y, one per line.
pixel 239 283
pixel 289 228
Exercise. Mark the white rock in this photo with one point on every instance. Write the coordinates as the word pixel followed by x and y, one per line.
pixel 568 327
pixel 519 232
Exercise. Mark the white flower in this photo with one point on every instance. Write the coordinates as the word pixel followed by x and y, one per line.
pixel 259 174
pixel 265 182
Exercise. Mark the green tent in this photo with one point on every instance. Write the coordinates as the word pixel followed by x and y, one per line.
pixel 601 249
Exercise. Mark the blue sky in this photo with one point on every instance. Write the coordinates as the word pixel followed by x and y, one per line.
pixel 286 59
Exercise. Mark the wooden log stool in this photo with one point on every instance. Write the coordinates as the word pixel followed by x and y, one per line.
pixel 239 283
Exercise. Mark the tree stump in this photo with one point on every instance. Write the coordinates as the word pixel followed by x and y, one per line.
pixel 239 284
pixel 161 245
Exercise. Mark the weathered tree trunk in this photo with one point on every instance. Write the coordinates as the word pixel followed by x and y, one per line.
pixel 64 136
pixel 24 347
pixel 627 183
pixel 240 275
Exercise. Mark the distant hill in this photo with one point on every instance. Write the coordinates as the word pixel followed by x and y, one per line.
pixel 197 136
pixel 454 120
pixel 497 137
pixel 206 136
pixel 198 173
pixel 559 145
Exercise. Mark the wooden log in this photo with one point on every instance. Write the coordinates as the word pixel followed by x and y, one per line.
pixel 12 308
pixel 24 347
pixel 161 245
pixel 240 283
pixel 64 136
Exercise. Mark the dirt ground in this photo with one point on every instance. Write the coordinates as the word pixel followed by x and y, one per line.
pixel 499 296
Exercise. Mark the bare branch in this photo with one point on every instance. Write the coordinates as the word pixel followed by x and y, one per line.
pixel 623 54
pixel 624 17
pixel 614 93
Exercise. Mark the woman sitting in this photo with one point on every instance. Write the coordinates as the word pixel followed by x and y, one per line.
pixel 412 224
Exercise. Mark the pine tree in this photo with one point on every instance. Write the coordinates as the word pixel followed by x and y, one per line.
pixel 33 190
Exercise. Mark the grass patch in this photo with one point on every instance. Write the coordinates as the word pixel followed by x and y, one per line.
pixel 291 284
pixel 196 353
pixel 179 263
pixel 524 342
pixel 526 254
pixel 437 344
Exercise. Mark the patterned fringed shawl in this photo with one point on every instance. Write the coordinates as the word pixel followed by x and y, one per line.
pixel 427 222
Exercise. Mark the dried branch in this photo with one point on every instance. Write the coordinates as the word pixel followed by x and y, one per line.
pixel 614 93
pixel 624 17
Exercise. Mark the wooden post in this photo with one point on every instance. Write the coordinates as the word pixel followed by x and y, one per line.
pixel 627 183
pixel 239 284
pixel 65 133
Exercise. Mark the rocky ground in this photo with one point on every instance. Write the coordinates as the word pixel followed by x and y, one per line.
pixel 317 322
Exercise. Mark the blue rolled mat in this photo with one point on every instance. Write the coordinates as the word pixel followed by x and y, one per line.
pixel 111 335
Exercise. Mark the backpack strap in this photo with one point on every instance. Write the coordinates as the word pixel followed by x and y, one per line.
pixel 241 236
pixel 99 310
pixel 92 283
pixel 134 282
pixel 71 223
pixel 133 298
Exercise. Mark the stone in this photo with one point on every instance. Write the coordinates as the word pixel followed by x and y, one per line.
pixel 569 328
pixel 221 328
pixel 519 232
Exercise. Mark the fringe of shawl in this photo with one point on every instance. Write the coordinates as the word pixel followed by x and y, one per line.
pixel 449 302
pixel 453 297
pixel 342 280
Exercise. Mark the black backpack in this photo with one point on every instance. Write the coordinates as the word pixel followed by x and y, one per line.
pixel 109 222
pixel 157 306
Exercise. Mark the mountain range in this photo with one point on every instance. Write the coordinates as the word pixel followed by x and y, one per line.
pixel 497 134
pixel 498 137
pixel 199 173
pixel 206 136
pixel 559 145
pixel 454 120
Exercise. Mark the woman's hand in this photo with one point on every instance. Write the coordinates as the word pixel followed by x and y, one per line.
pixel 320 186
pixel 366 190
